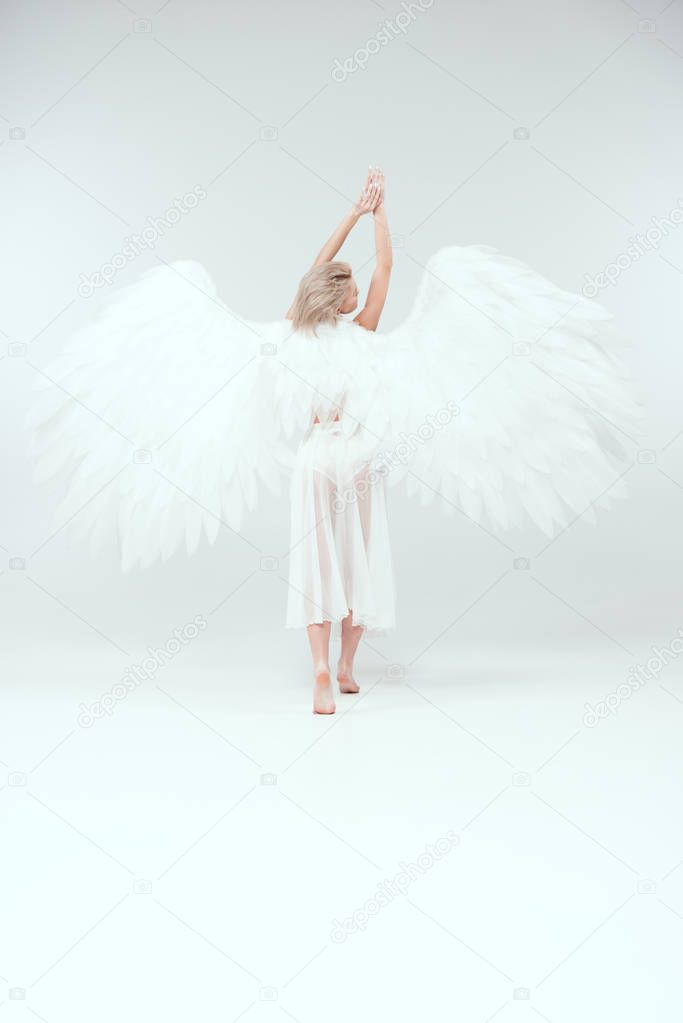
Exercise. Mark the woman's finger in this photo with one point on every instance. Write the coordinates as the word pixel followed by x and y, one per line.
pixel 377 188
pixel 373 190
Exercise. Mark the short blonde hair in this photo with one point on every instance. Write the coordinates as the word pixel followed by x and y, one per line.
pixel 320 295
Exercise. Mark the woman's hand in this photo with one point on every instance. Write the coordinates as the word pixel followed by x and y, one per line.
pixel 380 196
pixel 372 194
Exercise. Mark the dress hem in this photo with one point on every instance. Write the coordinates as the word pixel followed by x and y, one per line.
pixel 376 629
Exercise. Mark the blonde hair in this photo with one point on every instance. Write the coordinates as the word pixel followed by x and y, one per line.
pixel 320 295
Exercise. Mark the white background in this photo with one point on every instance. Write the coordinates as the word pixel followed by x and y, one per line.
pixel 471 715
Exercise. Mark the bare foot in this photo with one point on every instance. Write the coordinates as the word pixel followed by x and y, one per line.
pixel 347 683
pixel 323 700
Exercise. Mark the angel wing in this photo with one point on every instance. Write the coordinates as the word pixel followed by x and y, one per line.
pixel 149 418
pixel 500 392
pixel 508 397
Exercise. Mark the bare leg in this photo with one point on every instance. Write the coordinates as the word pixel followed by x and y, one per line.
pixel 351 637
pixel 319 638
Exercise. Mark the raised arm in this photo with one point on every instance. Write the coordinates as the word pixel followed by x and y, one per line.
pixel 379 285
pixel 369 197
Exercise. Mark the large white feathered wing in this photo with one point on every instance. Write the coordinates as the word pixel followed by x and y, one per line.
pixel 508 398
pixel 157 418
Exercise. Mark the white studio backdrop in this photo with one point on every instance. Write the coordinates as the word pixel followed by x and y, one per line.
pixel 553 139
pixel 549 129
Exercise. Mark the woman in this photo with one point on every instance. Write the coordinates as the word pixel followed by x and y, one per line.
pixel 500 395
pixel 340 551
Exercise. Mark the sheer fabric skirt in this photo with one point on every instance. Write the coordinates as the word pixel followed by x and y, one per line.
pixel 340 557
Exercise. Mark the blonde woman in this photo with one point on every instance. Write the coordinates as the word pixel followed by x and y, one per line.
pixel 501 397
pixel 340 564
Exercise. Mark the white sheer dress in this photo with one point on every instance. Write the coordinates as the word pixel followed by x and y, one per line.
pixel 340 558
pixel 340 555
